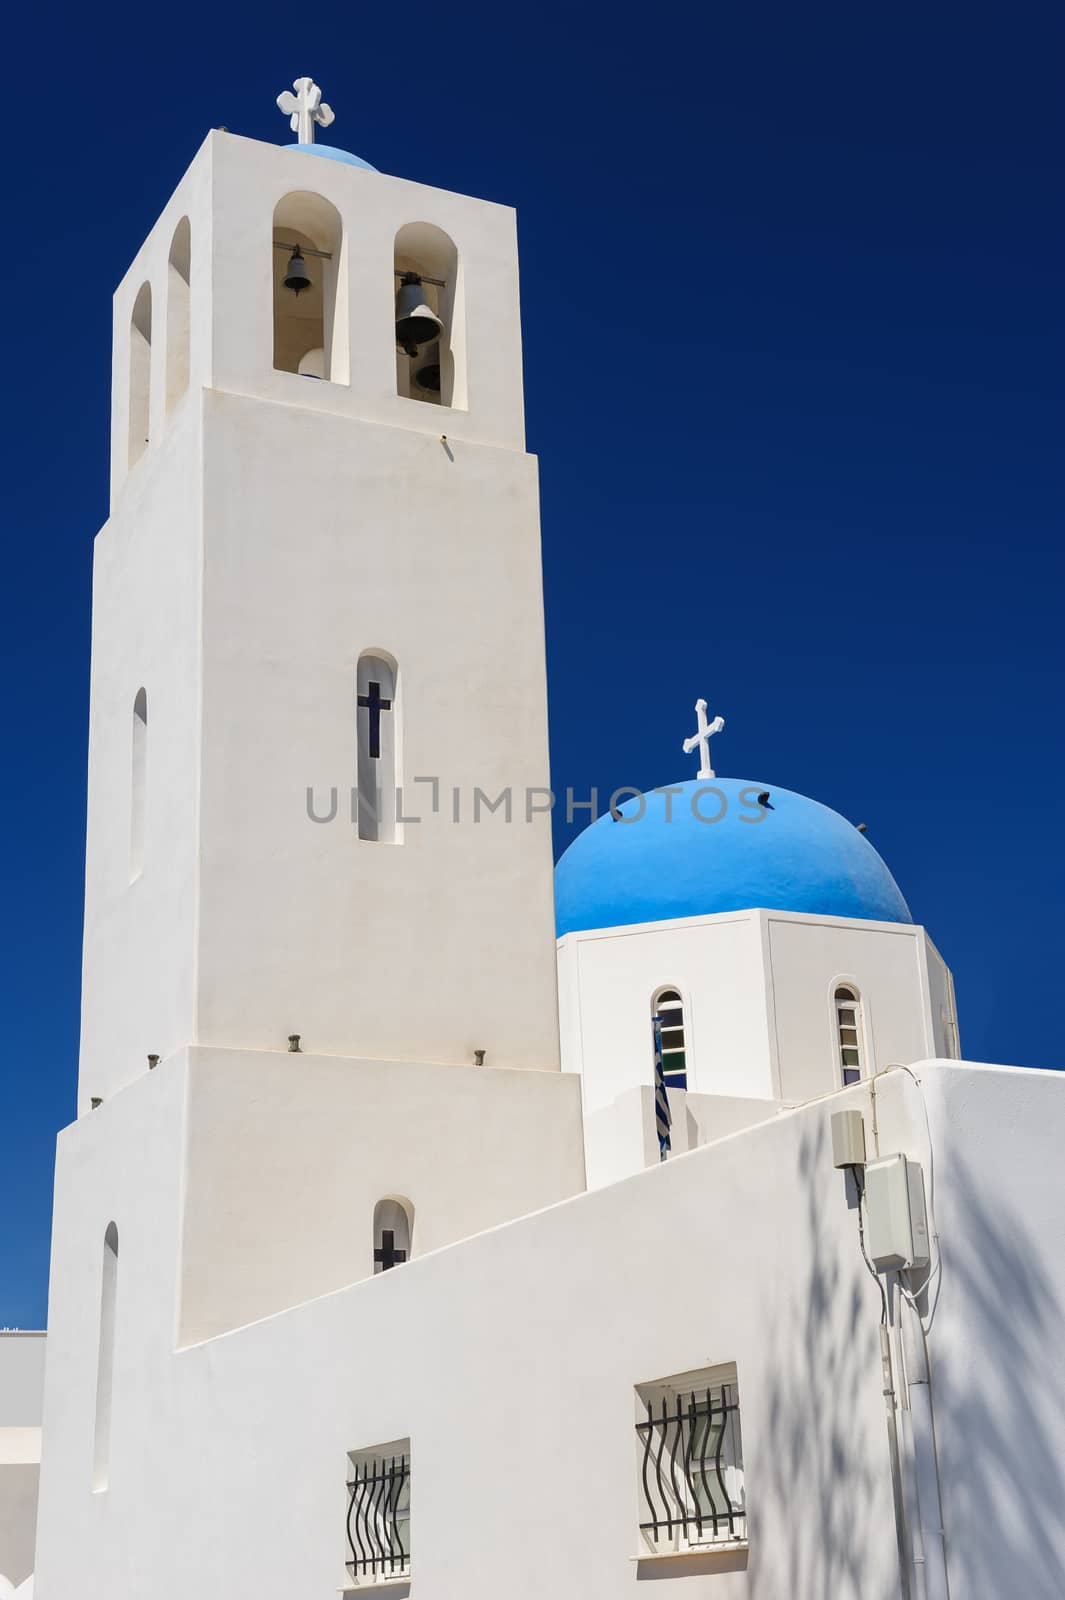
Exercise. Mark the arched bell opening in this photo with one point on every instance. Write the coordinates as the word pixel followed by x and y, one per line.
pixel 178 313
pixel 310 289
pixel 140 373
pixel 430 317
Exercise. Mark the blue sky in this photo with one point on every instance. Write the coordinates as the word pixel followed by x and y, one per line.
pixel 792 313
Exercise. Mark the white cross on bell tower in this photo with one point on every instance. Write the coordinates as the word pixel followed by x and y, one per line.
pixel 304 109
pixel 701 737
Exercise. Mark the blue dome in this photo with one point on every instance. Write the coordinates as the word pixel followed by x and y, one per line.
pixel 332 154
pixel 799 856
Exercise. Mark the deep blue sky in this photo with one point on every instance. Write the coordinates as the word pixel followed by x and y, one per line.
pixel 792 311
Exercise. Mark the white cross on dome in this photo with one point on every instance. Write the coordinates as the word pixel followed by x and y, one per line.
pixel 701 737
pixel 304 109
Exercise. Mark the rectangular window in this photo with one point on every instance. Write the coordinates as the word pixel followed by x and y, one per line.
pixel 690 1463
pixel 378 1519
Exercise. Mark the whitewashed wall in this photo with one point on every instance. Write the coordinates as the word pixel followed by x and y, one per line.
pixel 274 529
pixel 518 1350
pixel 440 945
pixel 808 957
pixel 286 1157
pixel 758 989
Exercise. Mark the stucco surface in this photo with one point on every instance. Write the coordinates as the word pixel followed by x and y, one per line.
pixel 286 1157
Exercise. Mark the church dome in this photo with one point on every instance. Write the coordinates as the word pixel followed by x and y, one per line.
pixel 331 153
pixel 797 855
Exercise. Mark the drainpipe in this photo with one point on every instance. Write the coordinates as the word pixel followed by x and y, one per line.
pixel 930 1544
pixel 897 1491
pixel 924 1480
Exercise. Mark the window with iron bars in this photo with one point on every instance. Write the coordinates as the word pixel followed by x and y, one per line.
pixel 690 1457
pixel 378 1521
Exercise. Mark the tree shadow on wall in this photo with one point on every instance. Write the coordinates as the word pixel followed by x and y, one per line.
pixel 1001 1418
pixel 819 1488
pixel 816 1489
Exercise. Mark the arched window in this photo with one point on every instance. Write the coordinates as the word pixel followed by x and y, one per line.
pixel 377 746
pixel 101 1458
pixel 668 1008
pixel 428 368
pixel 393 1229
pixel 140 373
pixel 178 313
pixel 310 310
pixel 138 785
pixel 849 1032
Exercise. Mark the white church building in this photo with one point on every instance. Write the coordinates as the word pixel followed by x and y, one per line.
pixel 436 1223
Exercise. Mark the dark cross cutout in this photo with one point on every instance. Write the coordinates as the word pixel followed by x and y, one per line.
pixel 375 705
pixel 388 1256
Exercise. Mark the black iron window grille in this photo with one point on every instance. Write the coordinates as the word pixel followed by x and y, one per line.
pixel 691 1467
pixel 378 1523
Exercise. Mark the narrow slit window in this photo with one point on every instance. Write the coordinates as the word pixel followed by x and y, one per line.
pixel 668 1008
pixel 101 1462
pixel 377 748
pixel 849 1033
pixel 138 785
pixel 178 313
pixel 392 1231
pixel 140 373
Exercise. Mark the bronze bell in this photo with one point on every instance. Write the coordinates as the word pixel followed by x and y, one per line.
pixel 427 378
pixel 297 276
pixel 416 324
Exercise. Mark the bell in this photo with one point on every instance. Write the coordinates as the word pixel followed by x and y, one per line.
pixel 427 378
pixel 296 276
pixel 416 324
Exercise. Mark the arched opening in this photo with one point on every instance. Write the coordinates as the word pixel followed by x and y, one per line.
pixel 101 1460
pixel 178 313
pixel 377 746
pixel 433 371
pixel 848 1006
pixel 393 1231
pixel 140 373
pixel 310 310
pixel 138 784
pixel 667 1012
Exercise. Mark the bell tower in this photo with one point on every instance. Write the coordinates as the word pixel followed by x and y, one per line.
pixel 318 785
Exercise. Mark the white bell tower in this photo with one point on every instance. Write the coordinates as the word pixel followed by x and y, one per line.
pixel 320 579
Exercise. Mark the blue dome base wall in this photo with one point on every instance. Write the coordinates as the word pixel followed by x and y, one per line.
pixel 670 862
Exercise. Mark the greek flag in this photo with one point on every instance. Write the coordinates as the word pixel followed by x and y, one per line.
pixel 663 1116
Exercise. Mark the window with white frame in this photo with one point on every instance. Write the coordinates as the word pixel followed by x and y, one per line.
pixel 690 1462
pixel 668 1012
pixel 849 1032
pixel 378 1519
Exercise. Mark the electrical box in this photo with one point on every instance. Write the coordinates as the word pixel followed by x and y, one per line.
pixel 896 1224
pixel 848 1139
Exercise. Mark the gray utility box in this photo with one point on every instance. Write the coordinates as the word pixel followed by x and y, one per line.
pixel 896 1223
